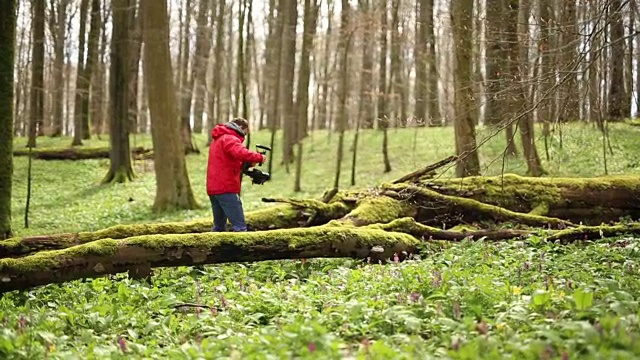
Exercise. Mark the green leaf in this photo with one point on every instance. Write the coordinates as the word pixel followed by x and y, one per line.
pixel 583 300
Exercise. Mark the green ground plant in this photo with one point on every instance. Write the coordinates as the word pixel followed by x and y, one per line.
pixel 515 299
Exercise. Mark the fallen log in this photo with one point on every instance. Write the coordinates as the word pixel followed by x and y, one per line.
pixel 137 255
pixel 83 153
pixel 590 201
pixel 75 153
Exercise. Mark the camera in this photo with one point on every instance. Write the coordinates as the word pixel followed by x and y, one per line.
pixel 257 176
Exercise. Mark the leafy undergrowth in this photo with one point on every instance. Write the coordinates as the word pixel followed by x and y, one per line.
pixel 503 300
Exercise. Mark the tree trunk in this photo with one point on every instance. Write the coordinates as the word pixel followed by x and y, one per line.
pixel 203 48
pixel 343 50
pixel 120 169
pixel 287 72
pixel 37 74
pixel 422 80
pixel 617 108
pixel 464 123
pixel 186 81
pixel 99 85
pixel 216 83
pixel 82 86
pixel 311 8
pixel 323 108
pixel 433 109
pixel 519 70
pixel 57 28
pixel 173 189
pixel 383 116
pixel 7 56
pixel 135 46
pixel 92 60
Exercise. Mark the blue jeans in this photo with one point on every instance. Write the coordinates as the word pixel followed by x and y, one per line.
pixel 227 206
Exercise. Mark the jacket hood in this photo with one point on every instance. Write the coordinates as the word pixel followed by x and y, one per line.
pixel 229 128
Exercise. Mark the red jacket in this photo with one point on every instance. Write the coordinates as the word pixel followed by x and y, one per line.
pixel 226 155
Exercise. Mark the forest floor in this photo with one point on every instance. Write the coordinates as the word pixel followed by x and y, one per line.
pixel 530 299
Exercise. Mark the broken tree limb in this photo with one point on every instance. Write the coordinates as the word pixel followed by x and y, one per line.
pixel 427 170
pixel 109 256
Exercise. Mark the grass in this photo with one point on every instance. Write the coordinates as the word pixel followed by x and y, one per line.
pixel 526 300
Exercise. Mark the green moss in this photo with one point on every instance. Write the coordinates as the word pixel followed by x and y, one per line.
pixel 50 259
pixel 379 209
pixel 540 209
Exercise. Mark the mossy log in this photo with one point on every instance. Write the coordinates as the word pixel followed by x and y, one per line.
pixel 137 255
pixel 75 153
pixel 590 201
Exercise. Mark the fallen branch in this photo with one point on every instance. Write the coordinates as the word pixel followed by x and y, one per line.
pixel 416 175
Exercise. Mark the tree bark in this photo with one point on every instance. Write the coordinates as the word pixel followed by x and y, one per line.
pixel 7 58
pixel 173 189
